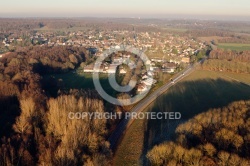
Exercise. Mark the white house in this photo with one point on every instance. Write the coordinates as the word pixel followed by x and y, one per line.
pixel 145 76
pixel 150 81
pixel 142 87
pixel 112 69
pixel 151 74
pixel 123 71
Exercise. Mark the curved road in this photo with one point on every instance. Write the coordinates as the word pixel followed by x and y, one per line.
pixel 125 123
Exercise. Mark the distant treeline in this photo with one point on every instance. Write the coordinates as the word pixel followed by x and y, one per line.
pixel 227 36
pixel 232 61
pixel 209 32
pixel 217 137
pixel 235 39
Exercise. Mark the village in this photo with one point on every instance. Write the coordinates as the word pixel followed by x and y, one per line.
pixel 158 44
pixel 166 51
pixel 123 63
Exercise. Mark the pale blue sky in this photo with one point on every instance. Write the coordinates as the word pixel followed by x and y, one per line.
pixel 124 8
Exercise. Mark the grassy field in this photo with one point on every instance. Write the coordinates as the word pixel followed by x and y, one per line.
pixel 195 94
pixel 234 46
pixel 200 74
pixel 174 29
pixel 210 38
pixel 71 80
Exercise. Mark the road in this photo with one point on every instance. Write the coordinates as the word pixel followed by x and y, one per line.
pixel 125 123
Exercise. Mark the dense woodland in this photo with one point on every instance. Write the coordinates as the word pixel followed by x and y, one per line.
pixel 34 127
pixel 217 137
pixel 227 60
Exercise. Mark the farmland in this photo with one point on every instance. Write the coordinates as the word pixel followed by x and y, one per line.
pixel 234 46
pixel 195 94
pixel 69 80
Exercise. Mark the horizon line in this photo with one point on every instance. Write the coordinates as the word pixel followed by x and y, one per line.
pixel 176 17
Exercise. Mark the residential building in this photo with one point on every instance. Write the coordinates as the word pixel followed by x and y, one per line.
pixel 185 60
pixel 112 69
pixel 142 87
pixel 169 67
pixel 150 81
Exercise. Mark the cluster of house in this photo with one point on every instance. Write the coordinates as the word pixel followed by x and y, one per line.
pixel 147 78
pixel 146 82
pixel 111 68
pixel 102 40
pixel 168 67
pixel 177 48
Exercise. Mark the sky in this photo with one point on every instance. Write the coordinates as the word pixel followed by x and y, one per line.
pixel 234 9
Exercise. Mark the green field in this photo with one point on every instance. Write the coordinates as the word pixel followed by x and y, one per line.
pixel 71 80
pixel 234 46
pixel 197 93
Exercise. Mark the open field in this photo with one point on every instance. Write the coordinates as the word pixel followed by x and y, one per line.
pixel 200 74
pixel 210 38
pixel 71 80
pixel 194 94
pixel 234 46
pixel 173 29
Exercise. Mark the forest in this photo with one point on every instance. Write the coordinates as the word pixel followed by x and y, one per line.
pixel 34 127
pixel 219 136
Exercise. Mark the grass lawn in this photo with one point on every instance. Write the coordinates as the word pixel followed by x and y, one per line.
pixel 195 94
pixel 210 38
pixel 234 46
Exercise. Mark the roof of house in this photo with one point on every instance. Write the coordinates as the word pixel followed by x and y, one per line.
pixel 169 65
pixel 112 68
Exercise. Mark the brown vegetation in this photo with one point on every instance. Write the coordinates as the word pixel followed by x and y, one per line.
pixel 232 61
pixel 35 129
pixel 216 137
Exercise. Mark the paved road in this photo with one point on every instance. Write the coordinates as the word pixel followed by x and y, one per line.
pixel 125 123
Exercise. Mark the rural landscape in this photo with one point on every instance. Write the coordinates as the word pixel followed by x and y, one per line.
pixel 54 110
